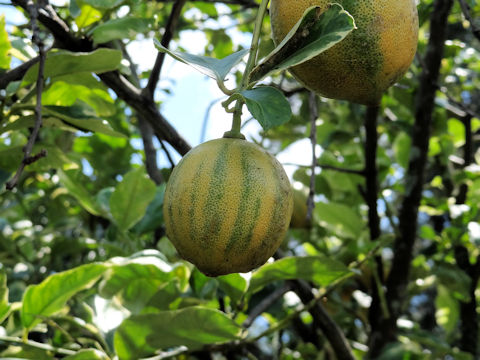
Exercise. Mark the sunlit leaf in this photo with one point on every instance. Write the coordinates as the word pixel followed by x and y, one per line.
pixel 50 296
pixel 131 197
pixel 5 45
pixel 88 354
pixel 215 68
pixel 319 269
pixel 311 35
pixel 340 218
pixel 140 335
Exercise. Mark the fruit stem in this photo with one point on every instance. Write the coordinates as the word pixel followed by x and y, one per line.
pixel 252 58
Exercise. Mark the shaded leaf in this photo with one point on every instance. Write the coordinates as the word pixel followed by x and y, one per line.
pixel 193 327
pixel 234 285
pixel 319 269
pixel 65 62
pixel 131 197
pixel 122 28
pixel 268 106
pixel 76 189
pixel 50 295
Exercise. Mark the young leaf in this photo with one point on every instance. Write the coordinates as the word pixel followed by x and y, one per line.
pixel 50 296
pixel 313 34
pixel 268 105
pixel 319 269
pixel 214 68
pixel 121 28
pixel 64 62
pixel 140 335
pixel 130 199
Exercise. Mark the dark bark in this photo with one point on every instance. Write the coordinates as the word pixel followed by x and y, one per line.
pixel 126 91
pixel 398 278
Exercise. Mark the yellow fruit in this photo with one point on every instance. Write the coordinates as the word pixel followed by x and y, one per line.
pixel 369 60
pixel 227 206
pixel 300 209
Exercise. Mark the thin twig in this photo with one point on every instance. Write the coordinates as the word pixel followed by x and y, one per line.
pixel 266 303
pixel 167 153
pixel 466 12
pixel 33 11
pixel 37 345
pixel 313 106
pixel 166 38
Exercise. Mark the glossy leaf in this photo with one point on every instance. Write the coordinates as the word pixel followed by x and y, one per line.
pixel 127 27
pixel 340 218
pixel 214 68
pixel 50 296
pixel 140 335
pixel 268 106
pixel 130 199
pixel 319 269
pixel 311 35
pixel 64 62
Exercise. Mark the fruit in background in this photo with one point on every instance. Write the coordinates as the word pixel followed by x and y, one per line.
pixel 227 206
pixel 368 61
pixel 300 209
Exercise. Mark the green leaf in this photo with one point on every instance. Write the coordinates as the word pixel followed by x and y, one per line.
pixel 88 15
pixel 153 215
pixel 102 4
pixel 319 269
pixel 76 189
pixel 88 354
pixel 193 327
pixel 447 309
pixel 4 305
pixel 127 27
pixel 311 35
pixel 81 117
pixel 50 295
pixel 401 148
pixel 234 285
pixel 5 45
pixel 340 219
pixel 136 280
pixel 268 105
pixel 65 62
pixel 214 68
pixel 455 279
pixel 131 197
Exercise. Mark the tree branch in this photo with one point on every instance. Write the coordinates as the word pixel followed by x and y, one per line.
pixel 33 10
pixel 166 38
pixel 17 73
pixel 466 12
pixel 403 247
pixel 122 87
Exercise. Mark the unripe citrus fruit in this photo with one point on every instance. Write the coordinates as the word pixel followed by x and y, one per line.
pixel 300 209
pixel 369 60
pixel 227 206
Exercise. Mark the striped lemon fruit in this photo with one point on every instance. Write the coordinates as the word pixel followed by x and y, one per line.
pixel 227 206
pixel 369 60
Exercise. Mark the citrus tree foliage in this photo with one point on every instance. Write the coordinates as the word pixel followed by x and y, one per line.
pixel 389 265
